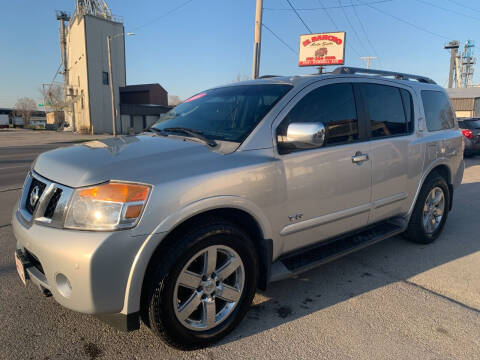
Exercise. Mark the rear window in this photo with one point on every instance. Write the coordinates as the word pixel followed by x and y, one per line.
pixel 438 112
pixel 470 124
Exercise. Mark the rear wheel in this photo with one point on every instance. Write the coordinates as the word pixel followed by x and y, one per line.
pixel 203 287
pixel 430 212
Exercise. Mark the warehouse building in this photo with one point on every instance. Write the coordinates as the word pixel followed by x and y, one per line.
pixel 465 101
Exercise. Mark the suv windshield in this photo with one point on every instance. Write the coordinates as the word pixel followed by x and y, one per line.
pixel 228 113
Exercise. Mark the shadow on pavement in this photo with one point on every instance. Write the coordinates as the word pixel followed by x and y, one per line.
pixel 390 261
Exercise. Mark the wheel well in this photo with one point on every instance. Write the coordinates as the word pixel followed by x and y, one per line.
pixel 243 220
pixel 444 172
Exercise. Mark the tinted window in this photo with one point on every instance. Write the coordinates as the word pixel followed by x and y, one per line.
pixel 227 113
pixel 471 124
pixel 332 105
pixel 438 113
pixel 105 78
pixel 385 110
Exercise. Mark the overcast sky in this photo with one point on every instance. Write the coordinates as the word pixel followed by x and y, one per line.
pixel 209 42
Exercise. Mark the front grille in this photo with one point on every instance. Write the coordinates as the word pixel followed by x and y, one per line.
pixel 38 187
pixel 52 204
pixel 32 259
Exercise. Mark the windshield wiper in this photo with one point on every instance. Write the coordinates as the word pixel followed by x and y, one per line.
pixel 157 131
pixel 192 133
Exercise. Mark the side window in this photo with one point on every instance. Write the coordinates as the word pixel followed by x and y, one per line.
pixel 385 110
pixel 438 112
pixel 334 106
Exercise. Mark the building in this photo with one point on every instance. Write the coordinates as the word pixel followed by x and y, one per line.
pixel 87 79
pixel 465 101
pixel 141 106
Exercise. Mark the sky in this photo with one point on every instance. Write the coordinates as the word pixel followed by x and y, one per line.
pixel 210 42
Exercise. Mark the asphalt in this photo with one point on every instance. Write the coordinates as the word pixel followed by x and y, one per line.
pixel 393 300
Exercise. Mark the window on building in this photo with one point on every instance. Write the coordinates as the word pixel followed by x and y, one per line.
pixel 105 78
pixel 385 110
pixel 438 112
pixel 332 105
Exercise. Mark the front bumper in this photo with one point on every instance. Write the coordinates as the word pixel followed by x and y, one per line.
pixel 96 264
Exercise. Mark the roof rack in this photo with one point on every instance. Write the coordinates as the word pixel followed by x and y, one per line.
pixel 399 76
pixel 267 76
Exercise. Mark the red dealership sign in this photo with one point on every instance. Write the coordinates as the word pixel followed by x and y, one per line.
pixel 322 49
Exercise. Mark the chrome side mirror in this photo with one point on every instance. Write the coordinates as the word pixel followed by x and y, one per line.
pixel 304 135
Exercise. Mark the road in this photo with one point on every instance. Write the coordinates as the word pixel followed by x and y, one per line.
pixel 393 300
pixel 18 148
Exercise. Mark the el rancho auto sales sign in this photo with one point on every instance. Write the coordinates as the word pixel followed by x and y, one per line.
pixel 322 49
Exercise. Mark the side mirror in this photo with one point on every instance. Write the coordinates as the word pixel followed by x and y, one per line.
pixel 304 135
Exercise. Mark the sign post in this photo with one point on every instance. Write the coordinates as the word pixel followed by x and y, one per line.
pixel 322 49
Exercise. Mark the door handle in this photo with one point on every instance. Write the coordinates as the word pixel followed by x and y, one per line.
pixel 359 157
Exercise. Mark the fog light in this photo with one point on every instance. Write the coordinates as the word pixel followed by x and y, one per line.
pixel 63 285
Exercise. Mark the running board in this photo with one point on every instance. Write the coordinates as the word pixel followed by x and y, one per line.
pixel 333 249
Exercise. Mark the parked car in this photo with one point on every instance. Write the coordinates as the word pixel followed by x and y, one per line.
pixel 4 121
pixel 236 187
pixel 471 133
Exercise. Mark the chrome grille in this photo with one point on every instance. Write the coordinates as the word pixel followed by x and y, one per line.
pixel 51 201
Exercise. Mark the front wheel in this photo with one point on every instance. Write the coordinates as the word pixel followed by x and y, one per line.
pixel 203 287
pixel 430 212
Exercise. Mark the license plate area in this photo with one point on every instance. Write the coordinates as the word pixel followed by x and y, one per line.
pixel 20 269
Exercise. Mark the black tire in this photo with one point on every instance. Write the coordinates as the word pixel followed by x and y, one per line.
pixel 416 231
pixel 158 311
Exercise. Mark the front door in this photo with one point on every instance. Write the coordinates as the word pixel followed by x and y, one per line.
pixel 328 188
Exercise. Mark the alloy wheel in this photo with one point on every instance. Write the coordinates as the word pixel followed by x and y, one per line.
pixel 209 288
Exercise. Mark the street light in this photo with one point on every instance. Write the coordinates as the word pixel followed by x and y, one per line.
pixel 110 78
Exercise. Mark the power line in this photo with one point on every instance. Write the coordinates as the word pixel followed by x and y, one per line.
pixel 351 25
pixel 366 34
pixel 279 39
pixel 336 26
pixel 463 5
pixel 323 6
pixel 406 22
pixel 163 16
pixel 328 14
pixel 448 10
pixel 298 15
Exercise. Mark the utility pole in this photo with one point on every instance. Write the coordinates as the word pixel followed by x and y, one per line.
pixel 368 59
pixel 258 39
pixel 110 82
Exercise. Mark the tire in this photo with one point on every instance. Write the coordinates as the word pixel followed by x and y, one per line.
pixel 417 230
pixel 162 307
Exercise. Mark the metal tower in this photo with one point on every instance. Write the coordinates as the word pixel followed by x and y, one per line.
pixel 97 8
pixel 453 47
pixel 461 64
pixel 467 62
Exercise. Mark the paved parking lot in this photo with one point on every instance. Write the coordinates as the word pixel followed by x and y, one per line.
pixel 394 300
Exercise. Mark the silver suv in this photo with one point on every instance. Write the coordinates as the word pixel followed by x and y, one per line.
pixel 237 186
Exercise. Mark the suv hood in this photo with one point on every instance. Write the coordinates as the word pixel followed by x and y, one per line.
pixel 144 158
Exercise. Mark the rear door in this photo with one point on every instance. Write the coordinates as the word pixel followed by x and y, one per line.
pixel 395 154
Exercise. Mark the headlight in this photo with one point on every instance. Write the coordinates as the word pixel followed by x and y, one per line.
pixel 110 206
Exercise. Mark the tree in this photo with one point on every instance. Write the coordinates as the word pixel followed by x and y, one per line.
pixel 24 107
pixel 241 77
pixel 174 100
pixel 53 97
